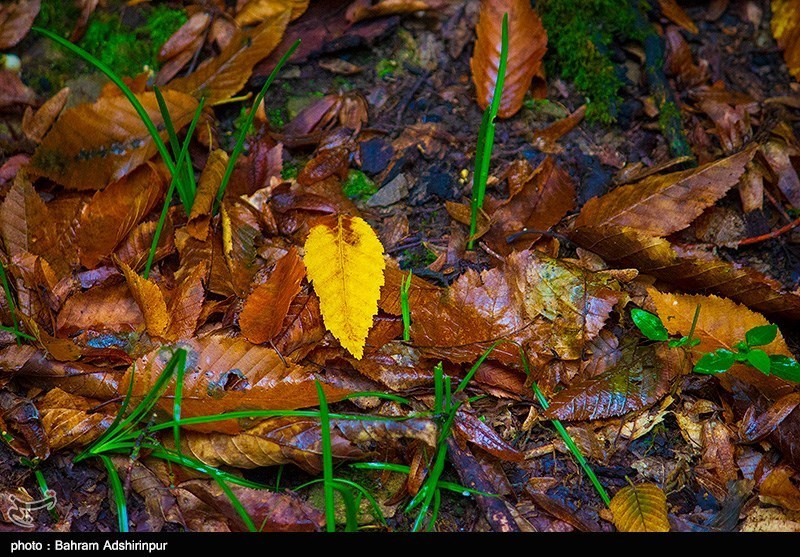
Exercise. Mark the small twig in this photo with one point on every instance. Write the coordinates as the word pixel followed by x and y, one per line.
pixel 517 235
pixel 769 235
pixel 777 205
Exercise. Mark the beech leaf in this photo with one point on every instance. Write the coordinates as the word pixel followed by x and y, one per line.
pixel 640 508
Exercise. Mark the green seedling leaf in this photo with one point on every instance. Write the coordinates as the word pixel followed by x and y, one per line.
pixel 784 367
pixel 761 336
pixel 759 360
pixel 715 362
pixel 651 325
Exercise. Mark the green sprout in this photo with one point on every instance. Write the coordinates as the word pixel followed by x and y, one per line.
pixel 405 308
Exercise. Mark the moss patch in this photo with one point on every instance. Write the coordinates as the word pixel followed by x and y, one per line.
pixel 580 33
pixel 358 186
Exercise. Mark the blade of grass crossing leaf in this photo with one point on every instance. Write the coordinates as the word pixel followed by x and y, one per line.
pixel 378 394
pixel 148 122
pixel 483 153
pixel 568 441
pixel 327 460
pixel 12 309
pixel 405 307
pixel 404 469
pixel 40 479
pixel 468 377
pixel 185 183
pixel 168 198
pixel 350 508
pixel 119 493
pixel 176 403
pixel 237 505
pixel 16 333
pixel 237 149
pixel 438 389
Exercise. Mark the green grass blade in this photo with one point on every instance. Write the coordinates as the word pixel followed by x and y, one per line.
pixel 176 403
pixel 468 377
pixel 350 508
pixel 438 389
pixel 40 479
pixel 12 308
pixel 151 256
pixel 181 179
pixel 15 332
pixel 405 307
pixel 239 147
pixel 237 505
pixel 140 110
pixel 378 394
pixel 483 152
pixel 404 469
pixel 118 492
pixel 327 460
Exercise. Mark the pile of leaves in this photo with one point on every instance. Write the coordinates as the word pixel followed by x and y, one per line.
pixel 182 308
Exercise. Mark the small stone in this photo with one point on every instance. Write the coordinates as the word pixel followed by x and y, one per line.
pixel 391 193
pixel 375 155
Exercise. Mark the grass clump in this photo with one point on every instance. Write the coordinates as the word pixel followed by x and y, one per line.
pixel 580 33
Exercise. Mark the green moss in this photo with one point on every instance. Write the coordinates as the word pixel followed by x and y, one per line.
pixel 290 170
pixel 358 186
pixel 417 259
pixel 580 33
pixel 386 67
pixel 669 121
pixel 128 50
pixel 58 16
pixel 277 116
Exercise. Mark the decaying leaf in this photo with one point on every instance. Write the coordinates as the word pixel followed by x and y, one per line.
pixel 298 440
pixel 266 307
pixel 675 13
pixel 207 187
pixel 256 11
pixel 223 76
pixel 102 308
pixel 527 43
pixel 36 124
pixel 230 374
pixel 640 508
pixel 67 419
pixel 786 30
pixel 150 300
pixel 344 259
pixel 16 18
pixel 159 501
pixel 91 145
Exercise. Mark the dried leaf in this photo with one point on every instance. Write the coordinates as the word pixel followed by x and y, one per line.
pixel 673 12
pixel 67 421
pixel 102 308
pixel 13 91
pixel 150 300
pixel 468 427
pixel 778 489
pixel 36 124
pixel 22 417
pixel 539 203
pixel 207 187
pixel 256 11
pixel 661 205
pixel 93 144
pixel 344 259
pixel 298 440
pixel 786 30
pixel 159 501
pixel 546 138
pixel 527 43
pixel 302 327
pixel 640 508
pixel 223 76
pixel 643 375
pixel 115 211
pixel 186 304
pixel 269 511
pixel 135 249
pixel 241 230
pixel 16 19
pixel 266 307
pixel 230 374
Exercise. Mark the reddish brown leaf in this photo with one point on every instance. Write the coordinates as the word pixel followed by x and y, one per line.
pixel 267 305
pixel 367 9
pixel 188 37
pixel 36 124
pixel 227 374
pixel 661 205
pixel 643 375
pixel 207 186
pixel 302 327
pixel 135 249
pixel 150 300
pixel 675 14
pixel 159 501
pixel 16 19
pixel 546 138
pixel 93 144
pixel 115 211
pixel 13 92
pixel 23 418
pixel 241 230
pixel 221 77
pixel 777 488
pixel 269 511
pixel 101 308
pixel 527 43
pixel 539 203
pixel 469 428
pixel 186 303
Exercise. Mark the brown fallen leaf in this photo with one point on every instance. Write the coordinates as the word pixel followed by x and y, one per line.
pixel 207 187
pixel 287 440
pixel 150 300
pixel 115 211
pixel 241 230
pixel 13 92
pixel 135 249
pixel 367 9
pixel 538 202
pixel 222 77
pixel 545 139
pixel 21 416
pixel 268 304
pixel 230 374
pixel 717 466
pixel 673 12
pixel 67 420
pixel 302 328
pixel 661 205
pixel 160 503
pixel 642 376
pixel 182 46
pixel 268 510
pixel 256 11
pixel 91 145
pixel 467 427
pixel 36 124
pixel 786 30
pixel 102 308
pixel 185 303
pixel 680 62
pixel 778 489
pixel 16 19
pixel 527 43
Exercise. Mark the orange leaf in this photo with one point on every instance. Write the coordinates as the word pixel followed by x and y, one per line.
pixel 109 308
pixel 527 43
pixel 786 30
pixel 226 374
pixel 36 124
pixel 150 299
pixel 67 421
pixel 221 77
pixel 363 9
pixel 115 211
pixel 256 11
pixel 267 305
pixel 91 145
pixel 186 304
pixel 673 12
pixel 207 186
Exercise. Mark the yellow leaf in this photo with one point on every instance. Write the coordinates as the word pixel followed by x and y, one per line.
pixel 344 259
pixel 150 300
pixel 640 508
pixel 786 30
